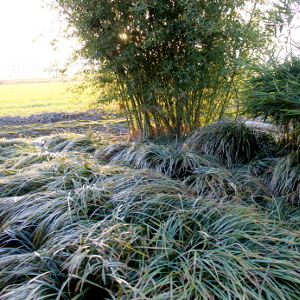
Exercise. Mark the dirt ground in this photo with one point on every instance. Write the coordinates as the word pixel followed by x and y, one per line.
pixel 52 117
pixel 91 121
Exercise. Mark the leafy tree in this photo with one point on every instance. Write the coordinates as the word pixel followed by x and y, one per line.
pixel 173 61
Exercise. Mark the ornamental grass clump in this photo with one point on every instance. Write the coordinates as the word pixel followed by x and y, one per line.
pixel 281 210
pixel 216 183
pixel 283 177
pixel 69 143
pixel 37 165
pixel 15 148
pixel 232 142
pixel 171 160
pixel 272 93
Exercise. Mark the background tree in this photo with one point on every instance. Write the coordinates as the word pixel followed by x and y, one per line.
pixel 173 61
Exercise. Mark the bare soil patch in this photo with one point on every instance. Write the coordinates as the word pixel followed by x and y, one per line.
pixel 53 117
pixel 97 122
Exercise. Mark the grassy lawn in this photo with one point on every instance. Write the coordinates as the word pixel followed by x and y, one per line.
pixel 40 97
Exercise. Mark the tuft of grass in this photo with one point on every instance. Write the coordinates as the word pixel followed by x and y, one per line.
pixel 14 142
pixel 281 210
pixel 216 183
pixel 14 148
pixel 232 142
pixel 283 177
pixel 69 143
pixel 170 160
pixel 23 183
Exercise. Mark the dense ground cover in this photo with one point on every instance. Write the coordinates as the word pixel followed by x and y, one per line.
pixel 205 218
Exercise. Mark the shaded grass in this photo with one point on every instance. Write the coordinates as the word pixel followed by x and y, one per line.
pixel 169 160
pixel 283 177
pixel 232 142
pixel 216 183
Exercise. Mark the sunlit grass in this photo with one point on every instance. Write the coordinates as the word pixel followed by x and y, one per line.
pixel 34 98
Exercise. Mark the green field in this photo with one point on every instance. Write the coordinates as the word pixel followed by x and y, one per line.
pixel 40 97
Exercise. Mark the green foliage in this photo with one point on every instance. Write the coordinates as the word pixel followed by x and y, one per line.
pixel 231 141
pixel 76 227
pixel 216 183
pixel 284 177
pixel 170 160
pixel 274 94
pixel 173 62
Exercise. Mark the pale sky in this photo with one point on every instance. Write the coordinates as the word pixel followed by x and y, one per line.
pixel 21 23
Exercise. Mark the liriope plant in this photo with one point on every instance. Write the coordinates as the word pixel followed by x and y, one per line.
pixel 232 141
pixel 170 160
pixel 122 231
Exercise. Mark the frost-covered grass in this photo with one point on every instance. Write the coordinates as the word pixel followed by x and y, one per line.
pixel 83 219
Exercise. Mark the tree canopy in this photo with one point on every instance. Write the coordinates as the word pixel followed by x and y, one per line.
pixel 173 61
